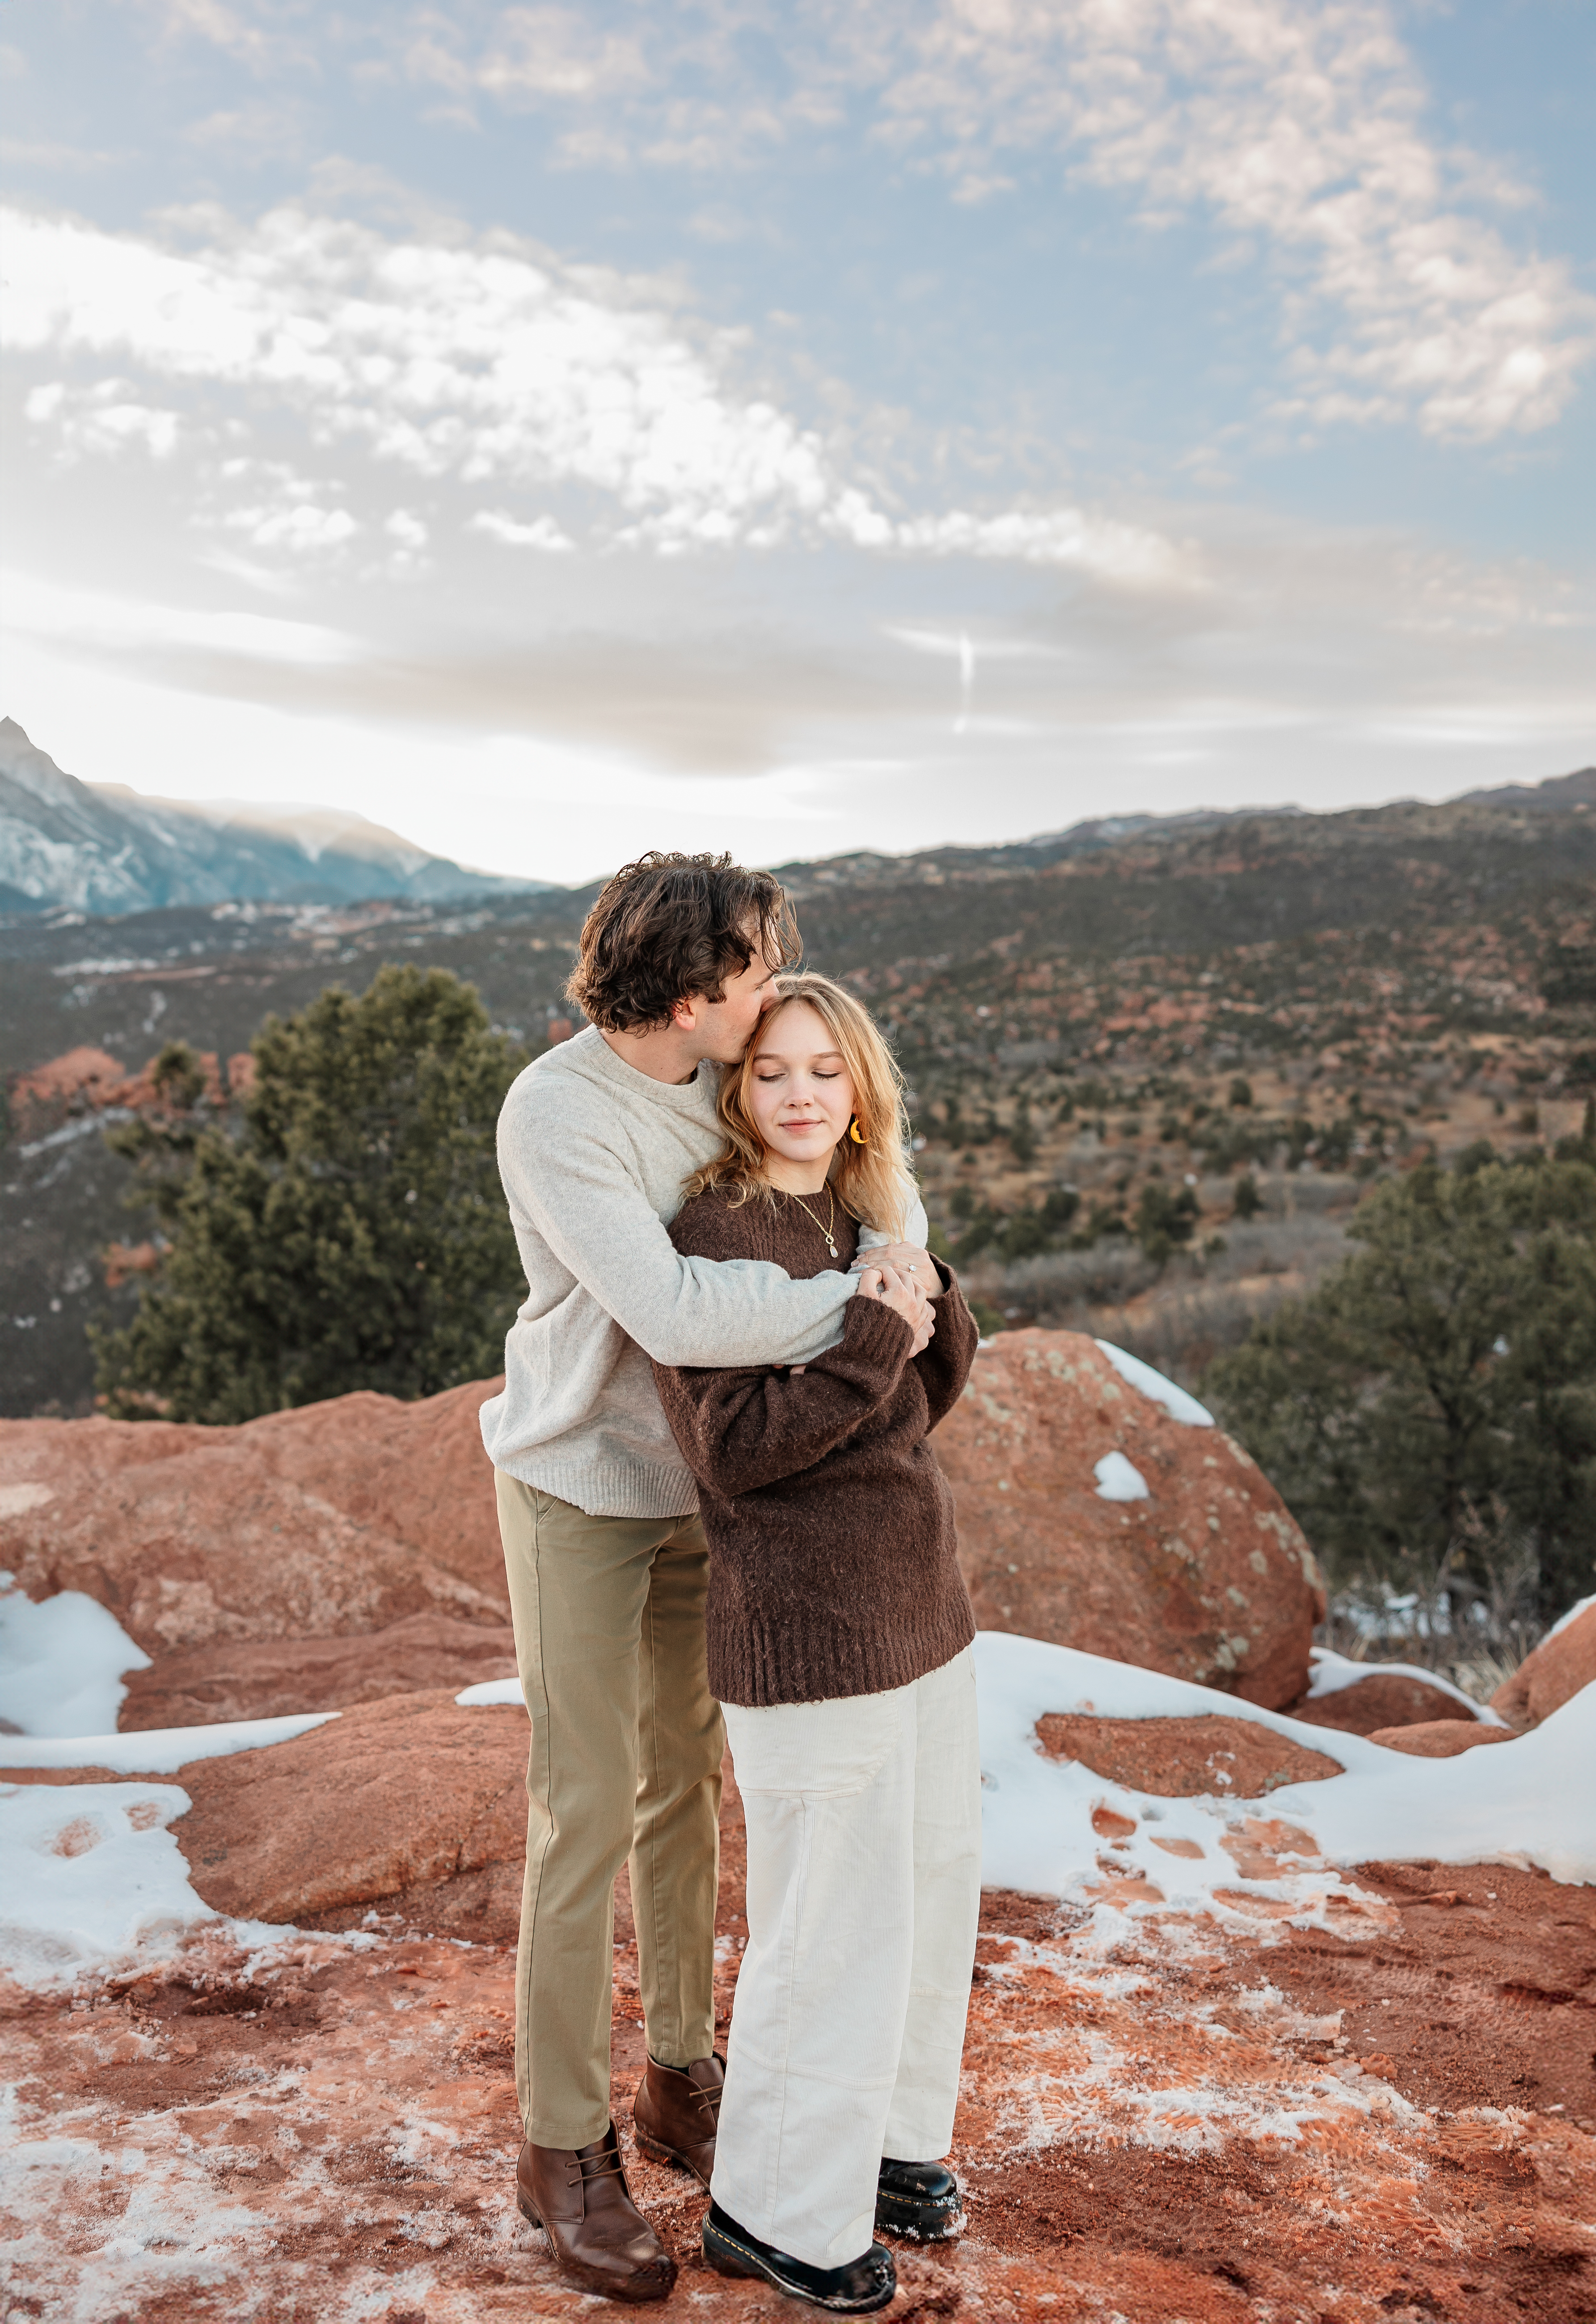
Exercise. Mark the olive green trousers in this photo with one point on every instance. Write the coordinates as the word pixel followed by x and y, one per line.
pixel 624 1763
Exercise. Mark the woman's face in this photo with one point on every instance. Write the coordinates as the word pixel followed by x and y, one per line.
pixel 799 1092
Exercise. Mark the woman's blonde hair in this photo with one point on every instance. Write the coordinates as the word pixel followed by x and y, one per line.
pixel 869 1176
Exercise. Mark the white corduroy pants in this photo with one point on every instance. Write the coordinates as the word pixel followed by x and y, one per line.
pixel 863 1893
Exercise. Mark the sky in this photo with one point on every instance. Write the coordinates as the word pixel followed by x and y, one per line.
pixel 558 431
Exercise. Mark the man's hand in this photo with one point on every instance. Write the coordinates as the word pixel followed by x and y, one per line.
pixel 902 1294
pixel 909 1259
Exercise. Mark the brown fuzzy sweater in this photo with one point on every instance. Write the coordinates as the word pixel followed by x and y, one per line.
pixel 831 1528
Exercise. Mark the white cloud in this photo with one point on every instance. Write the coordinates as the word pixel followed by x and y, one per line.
pixel 541 533
pixel 1115 552
pixel 299 527
pixel 96 619
pixel 1296 127
pixel 1296 122
pixel 107 418
pixel 480 360
pixel 468 362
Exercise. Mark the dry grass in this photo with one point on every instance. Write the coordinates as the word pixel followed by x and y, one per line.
pixel 1179 1317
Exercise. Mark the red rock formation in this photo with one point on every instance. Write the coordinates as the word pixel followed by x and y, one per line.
pixel 1440 1738
pixel 1183 1758
pixel 339 1518
pixel 88 1074
pixel 86 1079
pixel 1384 1699
pixel 1551 1676
pixel 272 1677
pixel 411 1806
pixel 1209 1577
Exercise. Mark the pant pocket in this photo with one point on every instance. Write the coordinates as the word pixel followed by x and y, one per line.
pixel 822 1750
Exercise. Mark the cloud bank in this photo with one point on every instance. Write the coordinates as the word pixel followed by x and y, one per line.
pixel 1297 128
pixel 473 360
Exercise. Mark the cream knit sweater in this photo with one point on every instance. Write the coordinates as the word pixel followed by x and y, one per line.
pixel 593 1155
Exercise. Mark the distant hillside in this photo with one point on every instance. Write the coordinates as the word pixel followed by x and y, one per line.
pixel 100 848
pixel 1074 1011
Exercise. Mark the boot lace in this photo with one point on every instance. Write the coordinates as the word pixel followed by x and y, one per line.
pixel 588 2167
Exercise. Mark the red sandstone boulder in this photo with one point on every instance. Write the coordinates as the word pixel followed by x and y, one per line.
pixel 411 1806
pixel 341 1517
pixel 272 1677
pixel 1385 1699
pixel 1210 1755
pixel 1208 1577
pixel 1440 1738
pixel 1554 1674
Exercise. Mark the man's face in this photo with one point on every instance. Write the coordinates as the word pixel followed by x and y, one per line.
pixel 723 1027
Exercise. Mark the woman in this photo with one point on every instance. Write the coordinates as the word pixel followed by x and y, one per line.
pixel 839 1633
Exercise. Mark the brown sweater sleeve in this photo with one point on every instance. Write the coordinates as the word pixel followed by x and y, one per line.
pixel 944 1366
pixel 739 1430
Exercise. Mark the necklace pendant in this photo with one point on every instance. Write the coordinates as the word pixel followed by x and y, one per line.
pixel 831 1247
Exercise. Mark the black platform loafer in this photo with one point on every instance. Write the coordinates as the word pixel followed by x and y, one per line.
pixel 920 2200
pixel 857 2290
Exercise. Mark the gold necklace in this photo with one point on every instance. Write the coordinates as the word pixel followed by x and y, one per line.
pixel 829 1230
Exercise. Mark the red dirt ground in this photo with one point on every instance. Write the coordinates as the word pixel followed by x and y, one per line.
pixel 1161 2125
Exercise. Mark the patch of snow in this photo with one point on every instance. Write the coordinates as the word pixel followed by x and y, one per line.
pixel 62 1660
pixel 490 1691
pixel 1332 1673
pixel 158 1750
pixel 90 1876
pixel 1582 1606
pixel 84 1127
pixel 1521 1802
pixel 1175 1400
pixel 1119 1479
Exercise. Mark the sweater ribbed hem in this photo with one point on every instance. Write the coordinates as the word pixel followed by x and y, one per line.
pixel 610 1489
pixel 755 1665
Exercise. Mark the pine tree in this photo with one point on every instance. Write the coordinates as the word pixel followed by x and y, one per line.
pixel 1432 1405
pixel 351 1234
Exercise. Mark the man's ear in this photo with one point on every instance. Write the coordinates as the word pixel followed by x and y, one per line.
pixel 684 1017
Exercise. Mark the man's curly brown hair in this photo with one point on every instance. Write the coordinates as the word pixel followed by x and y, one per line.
pixel 674 928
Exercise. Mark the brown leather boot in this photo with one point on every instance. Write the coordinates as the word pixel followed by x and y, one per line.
pixel 676 2112
pixel 579 2197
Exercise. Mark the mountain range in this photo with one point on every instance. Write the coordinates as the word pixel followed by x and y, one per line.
pixel 99 848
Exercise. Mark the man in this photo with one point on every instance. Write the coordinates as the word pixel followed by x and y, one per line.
pixel 606 1558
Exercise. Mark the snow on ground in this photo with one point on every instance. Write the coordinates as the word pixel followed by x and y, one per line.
pixel 1175 1400
pixel 156 1750
pixel 62 1663
pixel 91 1875
pixel 1332 1673
pixel 1526 1803
pixel 491 1693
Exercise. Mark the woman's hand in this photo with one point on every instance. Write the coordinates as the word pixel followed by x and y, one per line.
pixel 904 1295
pixel 909 1259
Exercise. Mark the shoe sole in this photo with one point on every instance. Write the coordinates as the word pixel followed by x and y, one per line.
pixel 658 2151
pixel 727 2256
pixel 588 2280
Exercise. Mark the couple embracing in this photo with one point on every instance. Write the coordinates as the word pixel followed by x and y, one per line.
pixel 722 1519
